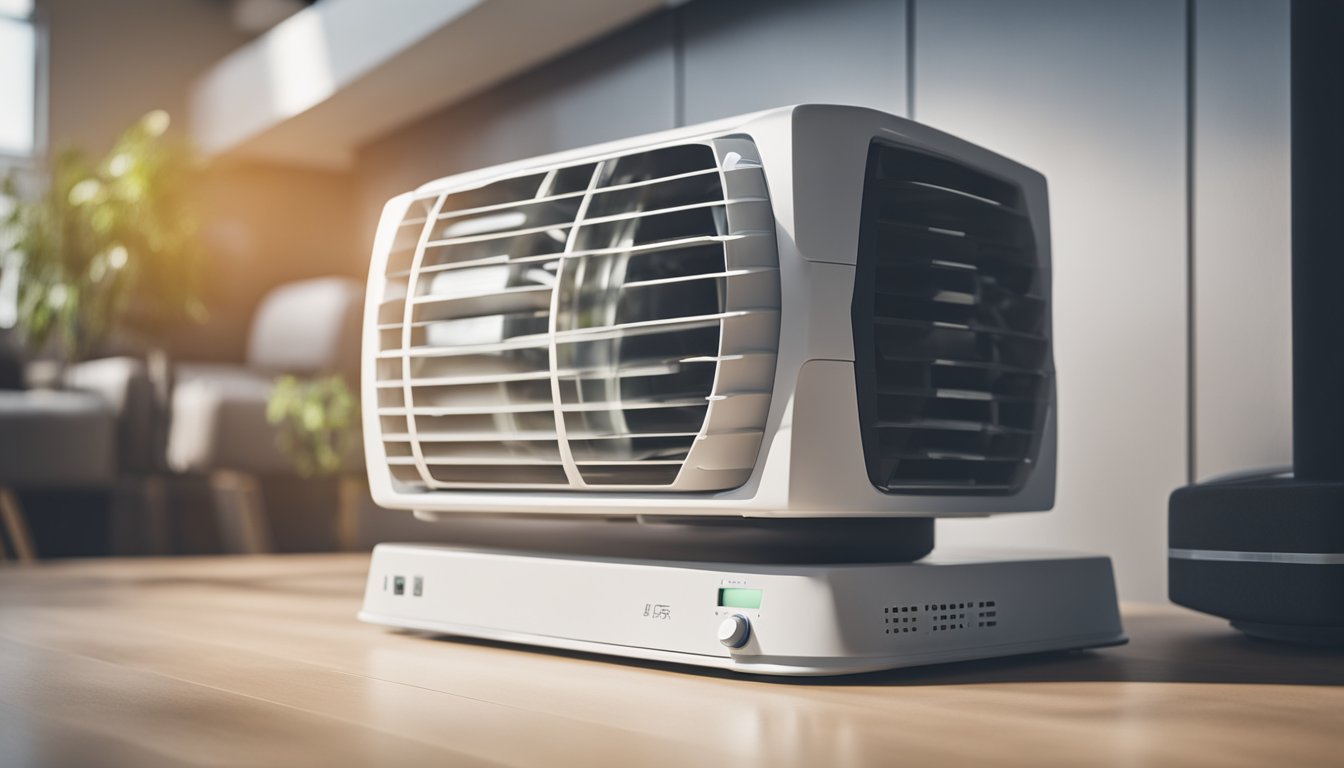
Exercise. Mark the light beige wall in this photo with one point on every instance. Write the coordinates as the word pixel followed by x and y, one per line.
pixel 267 225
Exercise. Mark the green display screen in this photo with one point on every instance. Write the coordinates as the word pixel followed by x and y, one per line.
pixel 735 597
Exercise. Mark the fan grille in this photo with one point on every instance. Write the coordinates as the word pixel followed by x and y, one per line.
pixel 951 327
pixel 610 324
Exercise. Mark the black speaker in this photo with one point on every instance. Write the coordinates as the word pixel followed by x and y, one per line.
pixel 1267 551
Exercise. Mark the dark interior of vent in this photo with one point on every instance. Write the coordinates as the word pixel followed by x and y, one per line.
pixel 630 474
pixel 623 288
pixel 674 262
pixel 654 228
pixel 532 474
pixel 662 384
pixel 509 190
pixel 546 213
pixel 951 327
pixel 690 190
pixel 685 298
pixel 508 247
pixel 594 452
pixel 575 178
pixel 669 161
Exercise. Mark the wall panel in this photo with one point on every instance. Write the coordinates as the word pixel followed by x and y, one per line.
pixel 1092 94
pixel 744 55
pixel 1242 260
pixel 622 85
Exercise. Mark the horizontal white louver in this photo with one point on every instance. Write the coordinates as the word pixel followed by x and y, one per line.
pixel 608 325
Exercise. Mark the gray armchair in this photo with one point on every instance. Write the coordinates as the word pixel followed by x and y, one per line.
pixel 136 391
pixel 95 424
pixel 218 424
pixel 50 439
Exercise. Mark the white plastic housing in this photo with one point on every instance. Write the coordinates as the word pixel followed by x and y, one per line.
pixel 792 619
pixel 810 461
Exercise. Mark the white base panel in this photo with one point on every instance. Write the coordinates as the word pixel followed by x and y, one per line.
pixel 807 619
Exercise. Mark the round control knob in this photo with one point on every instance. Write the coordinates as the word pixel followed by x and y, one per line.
pixel 734 631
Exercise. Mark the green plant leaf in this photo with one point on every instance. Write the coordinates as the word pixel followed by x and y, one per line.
pixel 317 421
pixel 137 203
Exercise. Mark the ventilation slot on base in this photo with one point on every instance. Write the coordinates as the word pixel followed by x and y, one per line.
pixel 939 618
pixel 900 619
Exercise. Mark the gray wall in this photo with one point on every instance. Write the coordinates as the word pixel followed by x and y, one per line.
pixel 1092 94
pixel 623 85
pixel 1152 180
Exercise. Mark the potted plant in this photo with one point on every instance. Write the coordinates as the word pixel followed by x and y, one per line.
pixel 110 244
pixel 317 421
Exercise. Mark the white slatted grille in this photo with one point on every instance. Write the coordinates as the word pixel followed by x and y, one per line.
pixel 606 325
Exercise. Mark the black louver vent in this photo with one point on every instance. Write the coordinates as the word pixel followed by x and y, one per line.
pixel 951 328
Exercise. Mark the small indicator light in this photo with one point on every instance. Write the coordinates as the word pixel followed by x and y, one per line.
pixel 399 585
pixel 418 586
pixel 736 597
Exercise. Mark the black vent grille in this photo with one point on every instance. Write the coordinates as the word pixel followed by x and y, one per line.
pixel 951 328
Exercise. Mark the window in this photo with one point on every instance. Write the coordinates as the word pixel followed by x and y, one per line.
pixel 18 79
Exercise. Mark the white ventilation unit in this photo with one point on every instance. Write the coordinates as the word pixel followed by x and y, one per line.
pixel 805 312
pixel 811 312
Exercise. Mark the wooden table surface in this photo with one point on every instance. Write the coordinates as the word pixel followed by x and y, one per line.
pixel 259 661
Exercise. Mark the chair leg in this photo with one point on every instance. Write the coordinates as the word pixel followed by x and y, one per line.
pixel 139 516
pixel 347 513
pixel 11 516
pixel 158 538
pixel 241 513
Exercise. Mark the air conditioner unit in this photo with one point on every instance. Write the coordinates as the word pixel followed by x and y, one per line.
pixel 807 312
pixel 819 313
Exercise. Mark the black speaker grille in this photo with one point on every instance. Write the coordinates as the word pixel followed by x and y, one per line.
pixel 951 328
